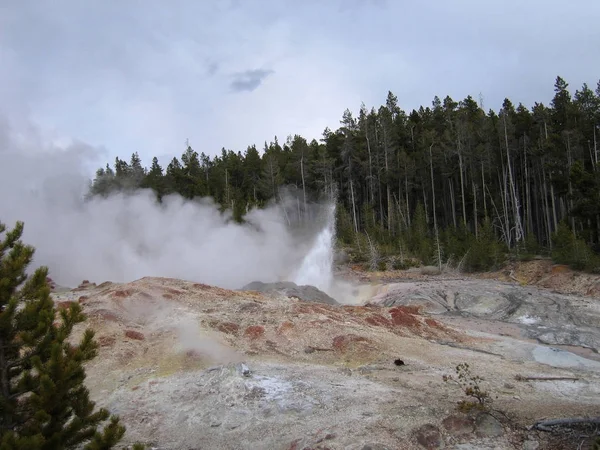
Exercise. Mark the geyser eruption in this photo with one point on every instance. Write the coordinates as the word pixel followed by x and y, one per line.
pixel 317 266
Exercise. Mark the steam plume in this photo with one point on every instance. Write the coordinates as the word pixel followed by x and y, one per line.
pixel 122 238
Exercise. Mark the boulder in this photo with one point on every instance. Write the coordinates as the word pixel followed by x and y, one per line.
pixel 289 289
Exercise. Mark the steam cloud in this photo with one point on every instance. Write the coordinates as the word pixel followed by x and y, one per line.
pixel 123 238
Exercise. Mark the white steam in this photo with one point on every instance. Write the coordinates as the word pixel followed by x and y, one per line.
pixel 123 238
pixel 317 266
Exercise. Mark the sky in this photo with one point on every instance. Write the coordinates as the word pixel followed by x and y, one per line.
pixel 148 75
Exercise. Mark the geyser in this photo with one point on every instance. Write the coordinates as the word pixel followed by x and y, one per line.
pixel 317 266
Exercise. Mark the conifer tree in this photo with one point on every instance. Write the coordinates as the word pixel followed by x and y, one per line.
pixel 44 403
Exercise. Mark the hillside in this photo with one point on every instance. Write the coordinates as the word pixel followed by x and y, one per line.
pixel 188 365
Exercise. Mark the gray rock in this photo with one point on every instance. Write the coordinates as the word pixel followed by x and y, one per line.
pixel 429 436
pixel 548 317
pixel 375 447
pixel 531 445
pixel 290 289
pixel 487 425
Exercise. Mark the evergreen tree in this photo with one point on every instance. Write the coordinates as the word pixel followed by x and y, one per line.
pixel 44 403
pixel 525 170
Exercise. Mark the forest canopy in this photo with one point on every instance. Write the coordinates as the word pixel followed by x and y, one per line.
pixel 445 183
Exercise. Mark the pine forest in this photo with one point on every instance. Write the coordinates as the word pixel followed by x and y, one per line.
pixel 448 184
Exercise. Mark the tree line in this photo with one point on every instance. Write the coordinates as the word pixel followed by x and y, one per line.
pixel 430 185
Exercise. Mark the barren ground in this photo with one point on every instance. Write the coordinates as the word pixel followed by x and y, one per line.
pixel 190 366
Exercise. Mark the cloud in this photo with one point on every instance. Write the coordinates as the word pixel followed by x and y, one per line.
pixel 249 80
pixel 144 77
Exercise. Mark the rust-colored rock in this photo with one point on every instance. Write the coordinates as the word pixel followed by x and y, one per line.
pixel 121 293
pixel 86 284
pixel 285 327
pixel 228 328
pixel 342 343
pixel 560 268
pixel 378 320
pixel 63 305
pixel 405 316
pixel 106 341
pixel 132 334
pixel 174 291
pixel 107 315
pixel 434 324
pixel 83 299
pixel 254 332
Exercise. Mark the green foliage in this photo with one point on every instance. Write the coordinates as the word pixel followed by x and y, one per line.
pixel 421 244
pixel 457 242
pixel 523 168
pixel 44 403
pixel 568 249
pixel 485 252
pixel 529 248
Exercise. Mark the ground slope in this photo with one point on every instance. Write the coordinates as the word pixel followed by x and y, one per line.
pixel 190 366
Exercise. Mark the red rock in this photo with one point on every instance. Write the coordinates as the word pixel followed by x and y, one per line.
pixel 83 299
pixel 341 343
pixel 63 305
pixel 285 327
pixel 254 332
pixel 378 320
pixel 121 294
pixel 85 283
pixel 434 324
pixel 106 341
pixel 229 328
pixel 131 334
pixel 405 316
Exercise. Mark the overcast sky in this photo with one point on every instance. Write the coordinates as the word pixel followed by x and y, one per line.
pixel 145 75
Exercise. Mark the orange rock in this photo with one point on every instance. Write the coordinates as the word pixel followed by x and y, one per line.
pixel 405 316
pixel 131 334
pixel 285 327
pixel 343 342
pixel 254 332
pixel 560 268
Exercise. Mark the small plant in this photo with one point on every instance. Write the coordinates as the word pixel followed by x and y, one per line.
pixel 470 384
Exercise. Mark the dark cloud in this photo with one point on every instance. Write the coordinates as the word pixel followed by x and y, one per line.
pixel 249 80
